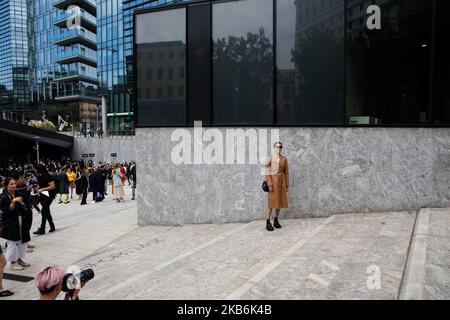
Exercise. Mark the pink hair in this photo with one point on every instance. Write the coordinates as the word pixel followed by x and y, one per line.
pixel 49 277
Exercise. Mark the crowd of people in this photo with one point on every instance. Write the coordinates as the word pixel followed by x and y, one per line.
pixel 32 186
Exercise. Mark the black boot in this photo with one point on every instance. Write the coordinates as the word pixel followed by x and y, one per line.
pixel 39 231
pixel 276 224
pixel 269 225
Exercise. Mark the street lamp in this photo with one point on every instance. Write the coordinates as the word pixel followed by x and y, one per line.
pixel 37 148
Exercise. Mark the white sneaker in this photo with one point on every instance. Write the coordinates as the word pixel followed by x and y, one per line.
pixel 93 202
pixel 16 266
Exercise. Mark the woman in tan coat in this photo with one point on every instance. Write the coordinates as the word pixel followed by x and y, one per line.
pixel 277 178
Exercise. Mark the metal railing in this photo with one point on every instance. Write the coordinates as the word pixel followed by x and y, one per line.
pixel 68 33
pixel 78 72
pixel 76 51
pixel 76 91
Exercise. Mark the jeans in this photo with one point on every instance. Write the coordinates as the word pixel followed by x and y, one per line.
pixel 45 212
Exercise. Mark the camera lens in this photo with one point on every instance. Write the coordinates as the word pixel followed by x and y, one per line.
pixel 87 275
pixel 74 281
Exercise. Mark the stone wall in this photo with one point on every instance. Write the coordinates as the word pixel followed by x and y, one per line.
pixel 332 171
pixel 123 146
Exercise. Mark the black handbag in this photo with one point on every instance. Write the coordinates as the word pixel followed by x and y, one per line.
pixel 265 186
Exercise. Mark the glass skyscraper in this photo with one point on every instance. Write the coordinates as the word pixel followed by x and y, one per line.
pixel 14 67
pixel 76 58
pixel 64 73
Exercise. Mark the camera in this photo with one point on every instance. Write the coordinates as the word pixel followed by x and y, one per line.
pixel 74 281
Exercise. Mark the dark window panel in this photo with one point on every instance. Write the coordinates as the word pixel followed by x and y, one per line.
pixel 243 62
pixel 199 53
pixel 441 99
pixel 168 35
pixel 310 65
pixel 388 70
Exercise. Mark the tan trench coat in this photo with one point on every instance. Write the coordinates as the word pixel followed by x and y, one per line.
pixel 277 175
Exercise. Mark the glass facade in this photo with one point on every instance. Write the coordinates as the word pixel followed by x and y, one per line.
pixel 14 67
pixel 115 36
pixel 388 70
pixel 309 63
pixel 310 49
pixel 76 48
pixel 64 60
pixel 162 57
pixel 242 62
pixel 43 51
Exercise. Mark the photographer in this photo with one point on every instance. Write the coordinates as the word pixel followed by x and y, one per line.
pixel 16 224
pixel 52 280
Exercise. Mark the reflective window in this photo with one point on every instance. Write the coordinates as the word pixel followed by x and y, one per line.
pixel 168 35
pixel 242 62
pixel 310 62
pixel 441 99
pixel 388 70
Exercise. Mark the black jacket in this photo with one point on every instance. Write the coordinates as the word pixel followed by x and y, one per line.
pixel 83 184
pixel 11 227
pixel 97 181
pixel 133 173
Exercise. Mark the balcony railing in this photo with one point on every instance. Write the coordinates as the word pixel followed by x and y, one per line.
pixel 70 92
pixel 78 74
pixel 73 33
pixel 77 54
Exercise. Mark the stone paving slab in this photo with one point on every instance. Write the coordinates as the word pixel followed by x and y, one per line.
pixel 437 267
pixel 195 261
pixel 81 230
pixel 340 257
pixel 427 273
pixel 338 262
pixel 306 259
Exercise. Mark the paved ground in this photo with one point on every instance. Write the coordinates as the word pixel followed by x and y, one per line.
pixel 81 230
pixel 354 256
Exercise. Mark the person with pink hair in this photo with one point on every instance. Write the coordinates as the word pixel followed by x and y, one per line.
pixel 49 282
